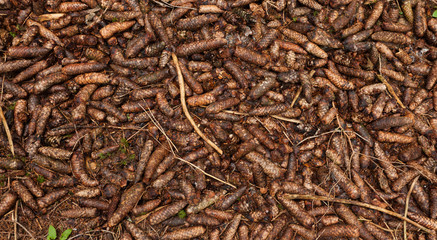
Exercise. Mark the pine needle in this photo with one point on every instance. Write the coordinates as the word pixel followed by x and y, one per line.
pixel 207 174
pixel 357 203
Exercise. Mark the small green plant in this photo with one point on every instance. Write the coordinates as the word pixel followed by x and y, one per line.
pixel 12 34
pixel 128 117
pixel 65 234
pixel 434 14
pixel 295 19
pixel 182 214
pixel 131 157
pixel 124 142
pixel 315 13
pixel 40 179
pixel 124 145
pixel 3 180
pixel 104 156
pixel 114 19
pixel 12 106
pixel 52 234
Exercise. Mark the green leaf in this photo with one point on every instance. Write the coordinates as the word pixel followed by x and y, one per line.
pixel 12 34
pixel 40 179
pixel 65 234
pixel 294 19
pixel 52 233
pixel 182 214
pixel 434 14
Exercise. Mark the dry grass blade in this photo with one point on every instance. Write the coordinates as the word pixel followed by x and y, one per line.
pixel 184 106
pixel 357 203
pixel 207 174
pixel 236 113
pixel 390 89
pixel 287 119
pixel 4 122
pixel 8 132
pixel 274 116
pixel 15 219
pixel 407 202
pixel 156 123
pixel 295 97
pixel 25 229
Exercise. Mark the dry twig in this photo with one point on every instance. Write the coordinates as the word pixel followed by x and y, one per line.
pixel 5 123
pixel 185 109
pixel 407 202
pixel 390 89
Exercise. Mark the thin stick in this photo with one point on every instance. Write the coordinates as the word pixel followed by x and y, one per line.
pixel 379 195
pixel 207 174
pixel 274 116
pixel 235 112
pixel 295 97
pixel 318 135
pixel 361 204
pixel 184 106
pixel 156 123
pixel 407 202
pixel 164 4
pixel 2 116
pixel 390 90
pixel 8 132
pixel 25 229
pixel 15 218
pixel 287 119
pixel 337 130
